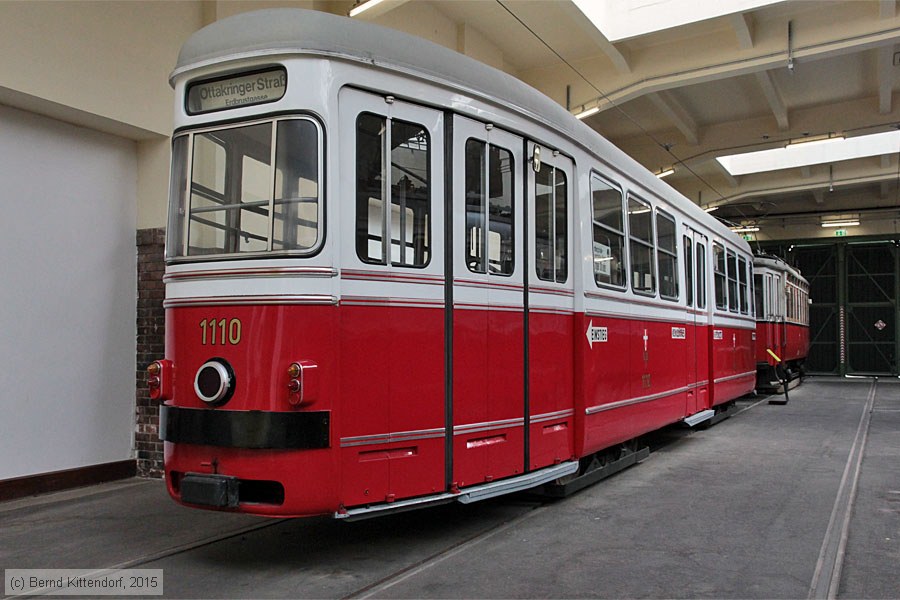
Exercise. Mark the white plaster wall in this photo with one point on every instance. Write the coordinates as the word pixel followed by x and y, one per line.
pixel 67 295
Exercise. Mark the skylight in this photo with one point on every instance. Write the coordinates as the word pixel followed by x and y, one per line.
pixel 622 19
pixel 814 152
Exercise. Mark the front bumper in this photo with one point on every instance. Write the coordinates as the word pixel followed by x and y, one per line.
pixel 305 430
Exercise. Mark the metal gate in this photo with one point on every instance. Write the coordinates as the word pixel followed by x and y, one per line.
pixel 872 309
pixel 818 264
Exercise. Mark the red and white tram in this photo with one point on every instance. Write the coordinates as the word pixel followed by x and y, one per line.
pixel 396 276
pixel 782 321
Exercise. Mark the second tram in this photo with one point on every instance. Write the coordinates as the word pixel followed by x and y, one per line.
pixel 782 322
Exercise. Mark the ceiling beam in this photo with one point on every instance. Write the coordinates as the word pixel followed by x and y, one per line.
pixel 743 29
pixel 732 181
pixel 618 56
pixel 770 188
pixel 666 67
pixel 773 97
pixel 885 79
pixel 678 115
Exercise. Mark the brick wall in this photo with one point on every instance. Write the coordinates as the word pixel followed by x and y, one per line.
pixel 151 329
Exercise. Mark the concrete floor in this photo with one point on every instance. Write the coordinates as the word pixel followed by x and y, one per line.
pixel 792 501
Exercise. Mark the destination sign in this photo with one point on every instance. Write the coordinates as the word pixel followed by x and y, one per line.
pixel 235 92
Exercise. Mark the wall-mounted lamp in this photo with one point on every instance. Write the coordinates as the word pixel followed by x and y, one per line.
pixel 806 142
pixel 587 112
pixel 844 220
pixel 848 223
pixel 361 7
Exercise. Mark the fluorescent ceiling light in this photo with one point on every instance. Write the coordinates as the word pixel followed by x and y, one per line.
pixel 622 19
pixel 665 173
pixel 364 6
pixel 744 229
pixel 806 142
pixel 587 113
pixel 710 209
pixel 810 153
pixel 853 223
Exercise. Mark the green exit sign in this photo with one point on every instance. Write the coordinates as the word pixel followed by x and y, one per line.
pixel 747 237
pixel 840 232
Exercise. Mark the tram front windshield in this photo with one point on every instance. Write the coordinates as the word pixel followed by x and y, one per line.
pixel 246 189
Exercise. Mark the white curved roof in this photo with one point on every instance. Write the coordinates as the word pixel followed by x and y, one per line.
pixel 776 263
pixel 298 31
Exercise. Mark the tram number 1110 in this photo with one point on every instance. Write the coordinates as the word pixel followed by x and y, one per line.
pixel 222 332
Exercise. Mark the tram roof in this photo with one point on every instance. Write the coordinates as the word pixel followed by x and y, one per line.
pixel 297 31
pixel 778 264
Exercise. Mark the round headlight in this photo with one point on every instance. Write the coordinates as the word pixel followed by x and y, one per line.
pixel 214 382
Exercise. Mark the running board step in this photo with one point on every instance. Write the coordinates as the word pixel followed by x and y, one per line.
pixel 561 490
pixel 467 495
pixel 696 419
pixel 516 484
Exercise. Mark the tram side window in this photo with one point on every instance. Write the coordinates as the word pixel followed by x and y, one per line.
pixel 177 187
pixel 551 225
pixel 608 233
pixel 489 171
pixel 234 205
pixel 771 299
pixel 759 297
pixel 297 190
pixel 393 193
pixel 805 305
pixel 789 292
pixel 688 270
pixel 733 304
pixel 640 229
pixel 667 256
pixel 229 195
pixel 701 275
pixel 721 279
pixel 742 285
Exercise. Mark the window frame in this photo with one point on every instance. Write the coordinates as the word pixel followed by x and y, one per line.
pixel 744 286
pixel 553 218
pixel 701 277
pixel 387 199
pixel 651 245
pixel 623 235
pixel 731 263
pixel 179 212
pixel 719 250
pixel 687 250
pixel 485 208
pixel 667 254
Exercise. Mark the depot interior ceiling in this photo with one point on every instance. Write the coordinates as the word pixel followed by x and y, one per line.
pixel 681 97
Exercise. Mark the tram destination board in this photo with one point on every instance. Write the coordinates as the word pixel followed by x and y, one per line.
pixel 247 89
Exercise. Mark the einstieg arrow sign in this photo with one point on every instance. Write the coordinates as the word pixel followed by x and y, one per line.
pixel 596 334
